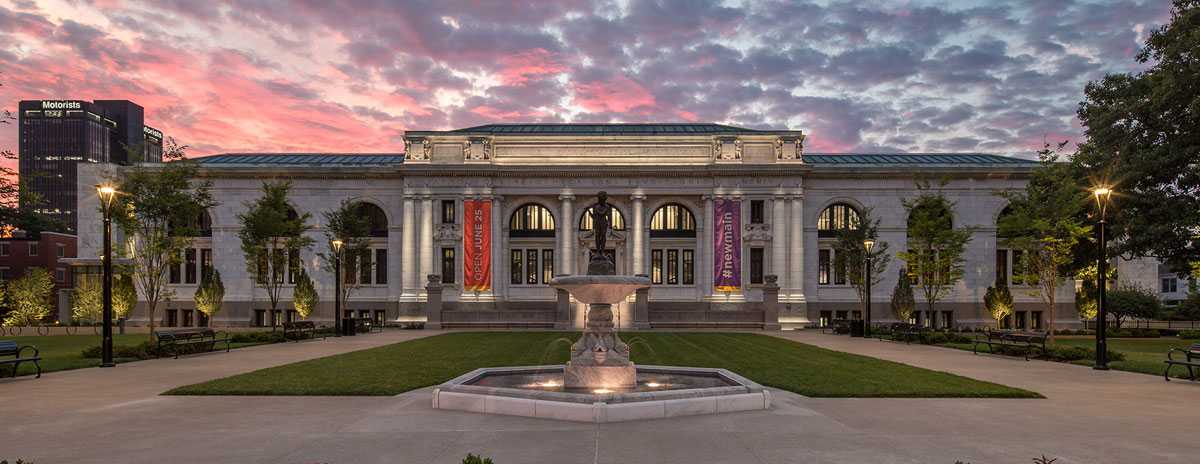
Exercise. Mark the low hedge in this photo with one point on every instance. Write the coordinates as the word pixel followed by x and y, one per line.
pixel 1189 334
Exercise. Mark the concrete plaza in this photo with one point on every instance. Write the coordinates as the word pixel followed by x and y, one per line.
pixel 116 415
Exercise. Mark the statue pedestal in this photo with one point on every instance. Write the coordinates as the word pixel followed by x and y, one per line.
pixel 600 359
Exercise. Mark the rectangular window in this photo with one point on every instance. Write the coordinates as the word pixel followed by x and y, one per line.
pixel 689 267
pixel 447 211
pixel 1169 285
pixel 1018 268
pixel 278 265
pixel 823 267
pixel 1001 268
pixel 826 316
pixel 189 266
pixel 172 318
pixel 840 270
pixel 4 249
pixel 173 275
pixel 293 265
pixel 531 267
pixel 260 318
pixel 262 269
pixel 1020 320
pixel 60 250
pixel 60 274
pixel 756 265
pixel 656 266
pixel 206 264
pixel 547 265
pixel 33 248
pixel 672 267
pixel 350 269
pixel 1035 320
pixel 516 272
pixel 757 213
pixel 948 319
pixel 187 318
pixel 364 268
pixel 381 269
pixel 448 263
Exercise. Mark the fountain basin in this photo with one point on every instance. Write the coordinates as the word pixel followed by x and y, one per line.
pixel 660 392
pixel 600 289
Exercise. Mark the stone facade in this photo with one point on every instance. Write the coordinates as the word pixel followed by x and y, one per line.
pixel 561 171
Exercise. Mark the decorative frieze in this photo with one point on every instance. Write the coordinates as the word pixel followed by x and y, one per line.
pixel 447 233
pixel 477 149
pixel 789 148
pixel 756 233
pixel 727 149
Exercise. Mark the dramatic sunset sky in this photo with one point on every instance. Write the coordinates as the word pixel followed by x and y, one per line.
pixel 351 76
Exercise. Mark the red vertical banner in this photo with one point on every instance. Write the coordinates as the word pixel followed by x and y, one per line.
pixel 477 245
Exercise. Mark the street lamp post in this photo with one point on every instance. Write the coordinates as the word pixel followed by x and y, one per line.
pixel 1102 195
pixel 107 193
pixel 868 244
pixel 337 287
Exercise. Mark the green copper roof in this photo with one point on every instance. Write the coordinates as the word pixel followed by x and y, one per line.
pixel 602 129
pixel 815 159
pixel 303 159
pixel 962 159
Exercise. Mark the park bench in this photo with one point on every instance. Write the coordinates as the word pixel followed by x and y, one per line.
pixel 903 331
pixel 299 330
pixel 10 348
pixel 1191 360
pixel 837 327
pixel 1027 342
pixel 203 339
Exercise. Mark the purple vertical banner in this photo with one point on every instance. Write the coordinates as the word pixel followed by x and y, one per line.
pixel 727 253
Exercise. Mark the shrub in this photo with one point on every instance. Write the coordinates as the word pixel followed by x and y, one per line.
pixel 1133 333
pixel 144 350
pixel 473 459
pixel 1065 353
pixel 256 337
pixel 1189 334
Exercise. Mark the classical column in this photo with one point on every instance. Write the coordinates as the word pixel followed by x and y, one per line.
pixel 779 236
pixel 638 231
pixel 408 259
pixel 796 271
pixel 566 250
pixel 426 252
pixel 499 243
pixel 706 285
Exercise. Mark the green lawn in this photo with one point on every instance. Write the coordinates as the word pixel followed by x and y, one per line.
pixel 1145 355
pixel 65 352
pixel 771 361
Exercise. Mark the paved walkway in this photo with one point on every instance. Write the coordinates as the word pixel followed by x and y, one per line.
pixel 115 415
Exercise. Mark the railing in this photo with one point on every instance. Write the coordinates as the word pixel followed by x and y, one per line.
pixel 1147 324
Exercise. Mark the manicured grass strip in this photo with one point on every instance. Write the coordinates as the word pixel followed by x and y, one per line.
pixel 1142 355
pixel 771 361
pixel 65 352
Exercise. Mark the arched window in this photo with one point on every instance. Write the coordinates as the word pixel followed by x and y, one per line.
pixel 376 219
pixel 200 226
pixel 838 216
pixel 531 220
pixel 931 211
pixel 615 219
pixel 672 220
pixel 1005 213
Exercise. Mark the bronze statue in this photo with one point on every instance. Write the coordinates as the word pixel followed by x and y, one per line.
pixel 601 212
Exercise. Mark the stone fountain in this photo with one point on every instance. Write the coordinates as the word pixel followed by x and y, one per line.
pixel 600 383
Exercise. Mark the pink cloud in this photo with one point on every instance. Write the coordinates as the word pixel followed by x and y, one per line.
pixel 619 94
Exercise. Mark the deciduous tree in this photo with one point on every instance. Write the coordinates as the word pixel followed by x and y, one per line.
pixel 272 236
pixel 851 255
pixel 1129 301
pixel 935 246
pixel 351 225
pixel 154 207
pixel 1143 135
pixel 29 297
pixel 1046 221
